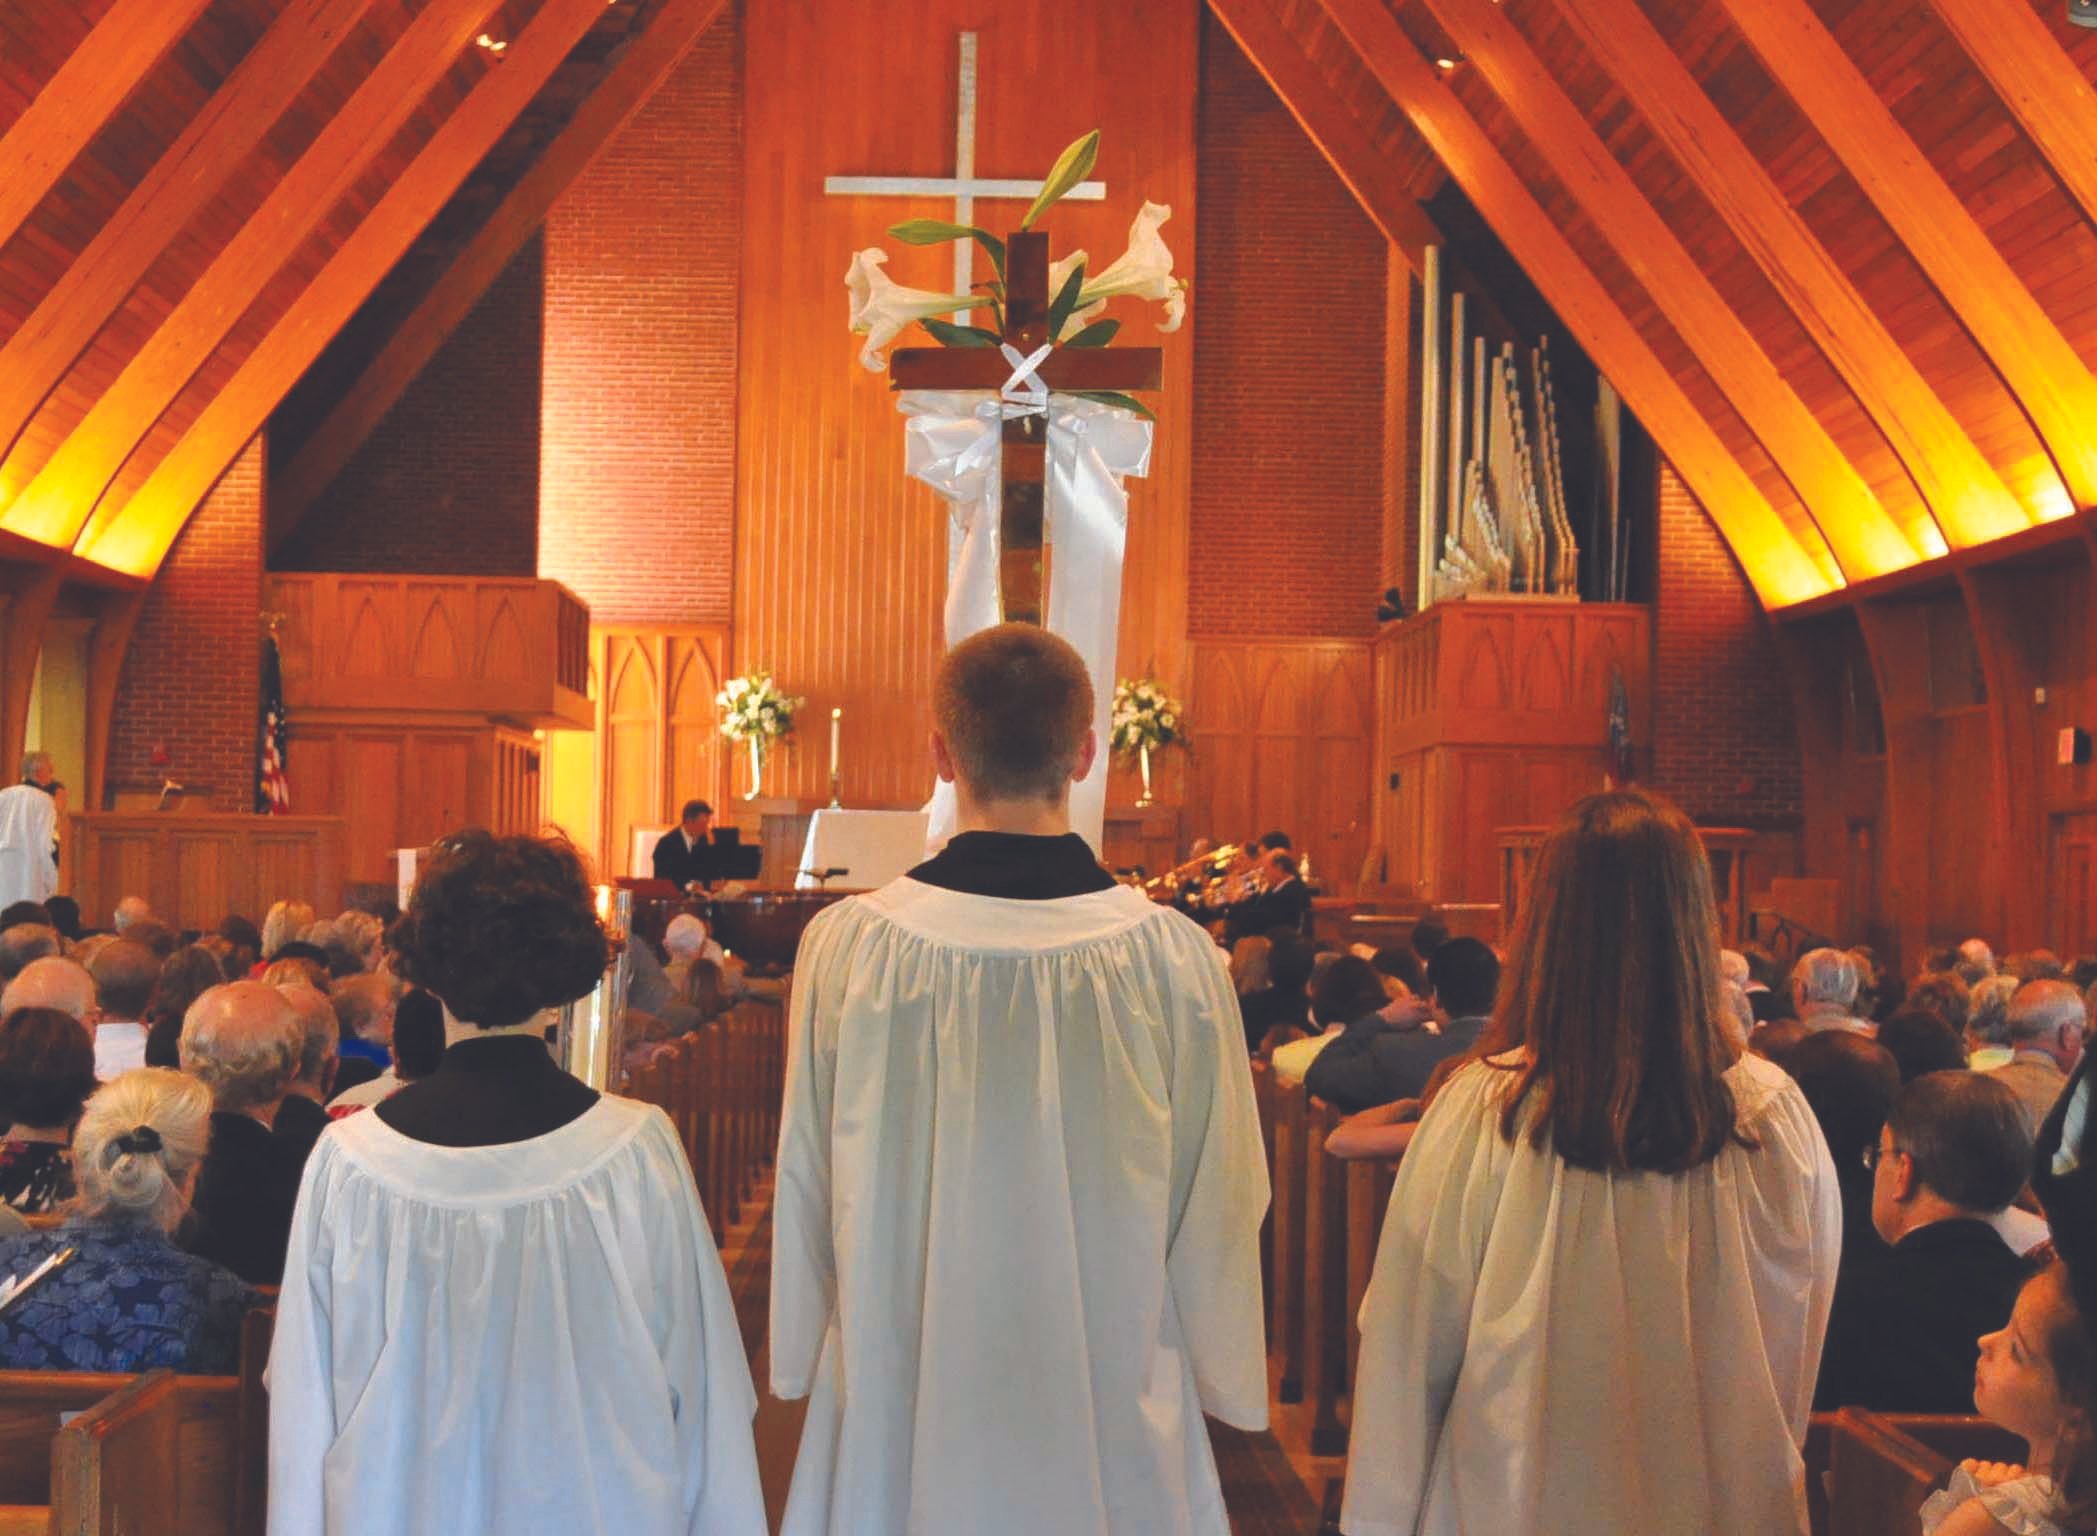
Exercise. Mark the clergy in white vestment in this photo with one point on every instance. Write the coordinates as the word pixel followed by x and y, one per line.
pixel 1605 1272
pixel 1015 1248
pixel 503 1311
pixel 28 823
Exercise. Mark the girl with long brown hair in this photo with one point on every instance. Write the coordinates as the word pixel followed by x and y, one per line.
pixel 1606 1269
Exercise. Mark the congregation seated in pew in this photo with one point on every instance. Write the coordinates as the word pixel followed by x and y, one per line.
pixel 1381 1061
pixel 1952 1155
pixel 47 1071
pixel 127 1299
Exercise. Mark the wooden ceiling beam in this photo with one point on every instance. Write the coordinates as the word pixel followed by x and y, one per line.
pixel 1864 539
pixel 1960 487
pixel 1338 135
pixel 2026 348
pixel 1776 564
pixel 186 177
pixel 136 536
pixel 56 501
pixel 87 91
pixel 643 64
pixel 2024 60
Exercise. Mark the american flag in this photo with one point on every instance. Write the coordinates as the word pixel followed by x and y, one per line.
pixel 272 786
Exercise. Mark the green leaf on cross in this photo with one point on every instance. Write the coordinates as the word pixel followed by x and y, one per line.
pixel 1072 167
pixel 932 231
pixel 948 334
pixel 1065 301
pixel 1097 334
pixel 1115 397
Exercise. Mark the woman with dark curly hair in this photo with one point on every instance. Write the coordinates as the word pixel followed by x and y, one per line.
pixel 47 1071
pixel 503 1308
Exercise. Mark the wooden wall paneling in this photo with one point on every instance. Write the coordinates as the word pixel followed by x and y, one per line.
pixel 1965 495
pixel 2012 819
pixel 136 535
pixel 695 752
pixel 1863 538
pixel 2026 348
pixel 644 61
pixel 631 763
pixel 1897 639
pixel 1812 660
pixel 29 603
pixel 371 787
pixel 1780 570
pixel 116 616
pixel 185 177
pixel 57 494
pixel 196 868
pixel 74 104
pixel 841 559
pixel 1284 739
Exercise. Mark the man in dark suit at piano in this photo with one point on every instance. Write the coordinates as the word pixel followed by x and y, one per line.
pixel 685 855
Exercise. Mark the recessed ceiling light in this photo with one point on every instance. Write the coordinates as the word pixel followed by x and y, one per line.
pixel 493 45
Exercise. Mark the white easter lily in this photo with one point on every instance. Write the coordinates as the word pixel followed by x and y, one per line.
pixel 1143 271
pixel 881 308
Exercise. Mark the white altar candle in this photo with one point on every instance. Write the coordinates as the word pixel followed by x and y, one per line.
pixel 835 716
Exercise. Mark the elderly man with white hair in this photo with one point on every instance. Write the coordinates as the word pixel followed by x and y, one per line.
pixel 29 834
pixel 132 909
pixel 243 1040
pixel 2046 1023
pixel 301 1118
pixel 1824 991
pixel 54 982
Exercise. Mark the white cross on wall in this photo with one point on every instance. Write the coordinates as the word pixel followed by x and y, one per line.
pixel 964 186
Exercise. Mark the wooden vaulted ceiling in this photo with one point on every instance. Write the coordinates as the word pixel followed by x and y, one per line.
pixel 1834 253
pixel 196 196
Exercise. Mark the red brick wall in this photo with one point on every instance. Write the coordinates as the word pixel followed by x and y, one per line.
pixel 449 481
pixel 1288 374
pixel 637 507
pixel 192 676
pixel 1724 744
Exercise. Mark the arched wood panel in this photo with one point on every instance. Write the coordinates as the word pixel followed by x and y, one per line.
pixel 1283 734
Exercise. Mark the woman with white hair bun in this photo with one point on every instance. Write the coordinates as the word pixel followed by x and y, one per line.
pixel 127 1299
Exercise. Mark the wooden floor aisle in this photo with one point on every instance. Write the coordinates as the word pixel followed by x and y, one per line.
pixel 1262 1489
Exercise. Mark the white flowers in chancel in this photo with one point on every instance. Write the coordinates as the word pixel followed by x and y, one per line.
pixel 1143 271
pixel 881 308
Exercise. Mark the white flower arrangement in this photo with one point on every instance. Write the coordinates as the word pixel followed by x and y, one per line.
pixel 1145 715
pixel 881 309
pixel 753 709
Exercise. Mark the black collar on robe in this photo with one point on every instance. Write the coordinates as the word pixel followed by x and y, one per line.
pixel 1015 865
pixel 487 1093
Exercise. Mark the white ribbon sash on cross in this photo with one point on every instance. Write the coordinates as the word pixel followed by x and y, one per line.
pixel 951 443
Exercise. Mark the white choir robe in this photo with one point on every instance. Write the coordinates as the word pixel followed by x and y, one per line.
pixel 1552 1349
pixel 487 1341
pixel 1016 1238
pixel 28 821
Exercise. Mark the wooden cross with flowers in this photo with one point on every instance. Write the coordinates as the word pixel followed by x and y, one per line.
pixel 1022 356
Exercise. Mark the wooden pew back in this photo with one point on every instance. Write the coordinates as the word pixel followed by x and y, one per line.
pixel 1954 1436
pixel 1324 1281
pixel 1291 1109
pixel 1878 1476
pixel 112 1467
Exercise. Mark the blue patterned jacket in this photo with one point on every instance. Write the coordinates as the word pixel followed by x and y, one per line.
pixel 129 1300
